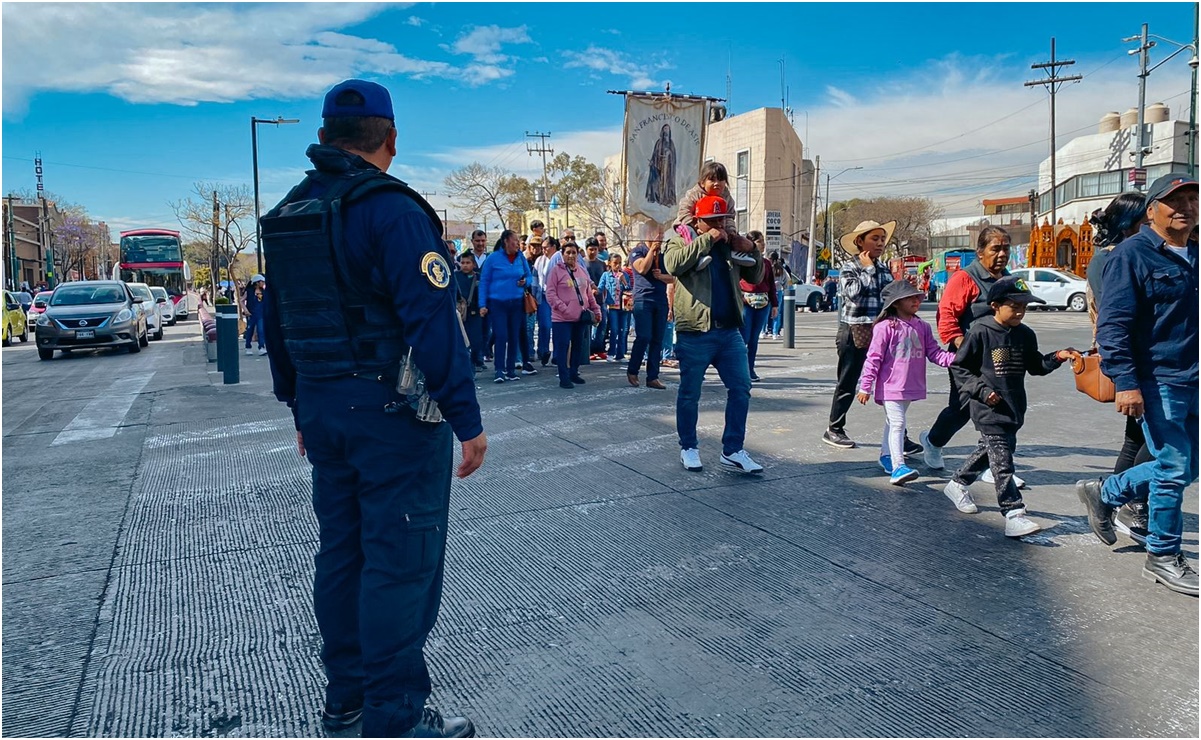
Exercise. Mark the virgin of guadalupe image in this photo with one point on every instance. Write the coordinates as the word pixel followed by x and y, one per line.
pixel 661 184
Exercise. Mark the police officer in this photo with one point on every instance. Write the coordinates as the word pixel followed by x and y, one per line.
pixel 361 285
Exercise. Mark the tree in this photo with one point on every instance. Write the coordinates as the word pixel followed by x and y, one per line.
pixel 234 222
pixel 577 184
pixel 480 191
pixel 77 245
pixel 912 214
pixel 606 211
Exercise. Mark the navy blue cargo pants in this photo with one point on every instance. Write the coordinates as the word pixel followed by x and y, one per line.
pixel 381 493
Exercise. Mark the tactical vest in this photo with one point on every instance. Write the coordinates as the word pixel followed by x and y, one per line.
pixel 334 323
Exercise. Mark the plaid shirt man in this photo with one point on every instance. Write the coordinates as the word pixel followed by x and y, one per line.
pixel 859 291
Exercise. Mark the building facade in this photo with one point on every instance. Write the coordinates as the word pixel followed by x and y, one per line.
pixel 27 241
pixel 1091 170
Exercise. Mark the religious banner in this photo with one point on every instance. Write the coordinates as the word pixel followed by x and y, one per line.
pixel 663 143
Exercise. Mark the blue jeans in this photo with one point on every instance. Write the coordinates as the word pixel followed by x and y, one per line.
pixel 753 321
pixel 619 333
pixel 600 332
pixel 650 321
pixel 543 327
pixel 669 341
pixel 777 324
pixel 725 351
pixel 1170 425
pixel 527 338
pixel 475 338
pixel 506 326
pixel 571 346
pixel 254 324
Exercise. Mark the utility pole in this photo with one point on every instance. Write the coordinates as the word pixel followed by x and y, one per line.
pixel 215 263
pixel 811 258
pixel 1053 83
pixel 1140 145
pixel 542 149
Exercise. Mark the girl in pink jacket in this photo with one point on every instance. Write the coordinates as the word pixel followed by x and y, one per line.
pixel 573 311
pixel 896 366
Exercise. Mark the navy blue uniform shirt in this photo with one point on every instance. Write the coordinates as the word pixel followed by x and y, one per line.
pixel 386 235
pixel 1147 322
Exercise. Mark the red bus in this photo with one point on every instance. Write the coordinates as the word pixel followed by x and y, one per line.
pixel 155 257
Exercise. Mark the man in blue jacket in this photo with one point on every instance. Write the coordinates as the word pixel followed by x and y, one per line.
pixel 361 283
pixel 1147 334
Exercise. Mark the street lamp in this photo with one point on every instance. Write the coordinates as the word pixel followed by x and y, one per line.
pixel 254 145
pixel 1145 46
pixel 828 179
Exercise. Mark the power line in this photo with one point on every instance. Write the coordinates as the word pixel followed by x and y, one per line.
pixel 1053 83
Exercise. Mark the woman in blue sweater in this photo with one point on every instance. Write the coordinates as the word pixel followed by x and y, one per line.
pixel 502 290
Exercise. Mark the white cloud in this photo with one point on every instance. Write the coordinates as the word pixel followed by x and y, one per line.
pixel 415 21
pixel 964 129
pixel 617 63
pixel 185 54
pixel 484 42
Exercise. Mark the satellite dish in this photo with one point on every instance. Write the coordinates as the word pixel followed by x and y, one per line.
pixel 717 113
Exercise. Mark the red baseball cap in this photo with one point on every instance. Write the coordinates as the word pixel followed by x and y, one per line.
pixel 711 206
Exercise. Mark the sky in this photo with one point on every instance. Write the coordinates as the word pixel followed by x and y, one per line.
pixel 131 104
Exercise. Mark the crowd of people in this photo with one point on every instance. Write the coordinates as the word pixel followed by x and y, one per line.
pixel 370 367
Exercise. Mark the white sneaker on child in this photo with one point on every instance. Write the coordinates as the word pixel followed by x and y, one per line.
pixel 987 477
pixel 960 496
pixel 1017 525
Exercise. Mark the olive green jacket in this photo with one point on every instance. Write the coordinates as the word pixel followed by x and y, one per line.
pixel 694 288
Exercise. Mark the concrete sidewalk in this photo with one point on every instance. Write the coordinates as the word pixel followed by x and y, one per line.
pixel 595 588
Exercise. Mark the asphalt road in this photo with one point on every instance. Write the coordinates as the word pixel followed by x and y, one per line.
pixel 157 545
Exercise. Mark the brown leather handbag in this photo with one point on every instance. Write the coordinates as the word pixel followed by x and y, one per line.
pixel 531 303
pixel 1089 378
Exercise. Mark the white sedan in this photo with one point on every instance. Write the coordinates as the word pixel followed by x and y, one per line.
pixel 1058 288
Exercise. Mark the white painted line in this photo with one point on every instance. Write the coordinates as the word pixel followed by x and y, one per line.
pixel 105 413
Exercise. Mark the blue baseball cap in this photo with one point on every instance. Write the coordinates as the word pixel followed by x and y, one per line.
pixel 377 103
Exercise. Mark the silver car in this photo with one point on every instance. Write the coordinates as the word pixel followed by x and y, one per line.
pixel 91 313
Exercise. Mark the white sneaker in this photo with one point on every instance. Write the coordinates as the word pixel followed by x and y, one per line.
pixel 931 454
pixel 742 461
pixel 742 259
pixel 1017 525
pixel 249 351
pixel 987 477
pixel 960 496
pixel 263 351
pixel 691 459
pixel 703 262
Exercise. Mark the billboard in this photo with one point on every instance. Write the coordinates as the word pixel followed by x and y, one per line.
pixel 662 146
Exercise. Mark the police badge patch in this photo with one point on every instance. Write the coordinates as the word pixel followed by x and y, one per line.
pixel 434 266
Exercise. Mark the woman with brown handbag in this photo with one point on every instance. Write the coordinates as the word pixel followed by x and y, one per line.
pixel 502 294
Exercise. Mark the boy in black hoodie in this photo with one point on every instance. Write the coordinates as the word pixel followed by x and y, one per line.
pixel 991 368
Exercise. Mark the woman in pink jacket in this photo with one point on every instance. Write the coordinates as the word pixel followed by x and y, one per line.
pixel 573 311
pixel 896 366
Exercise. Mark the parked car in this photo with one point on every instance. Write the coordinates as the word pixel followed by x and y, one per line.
pixel 183 304
pixel 39 306
pixel 91 313
pixel 808 296
pixel 1058 288
pixel 165 307
pixel 14 320
pixel 154 314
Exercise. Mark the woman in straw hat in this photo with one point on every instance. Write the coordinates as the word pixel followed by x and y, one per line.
pixel 860 281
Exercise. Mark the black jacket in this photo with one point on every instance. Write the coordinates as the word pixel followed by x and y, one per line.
pixel 997 358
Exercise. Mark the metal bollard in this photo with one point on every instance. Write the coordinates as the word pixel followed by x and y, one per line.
pixel 227 343
pixel 790 317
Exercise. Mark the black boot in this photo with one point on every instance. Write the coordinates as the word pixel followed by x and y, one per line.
pixel 1100 514
pixel 433 724
pixel 339 716
pixel 1173 571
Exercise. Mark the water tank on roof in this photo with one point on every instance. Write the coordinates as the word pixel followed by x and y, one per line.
pixel 1157 113
pixel 1111 121
pixel 1129 118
